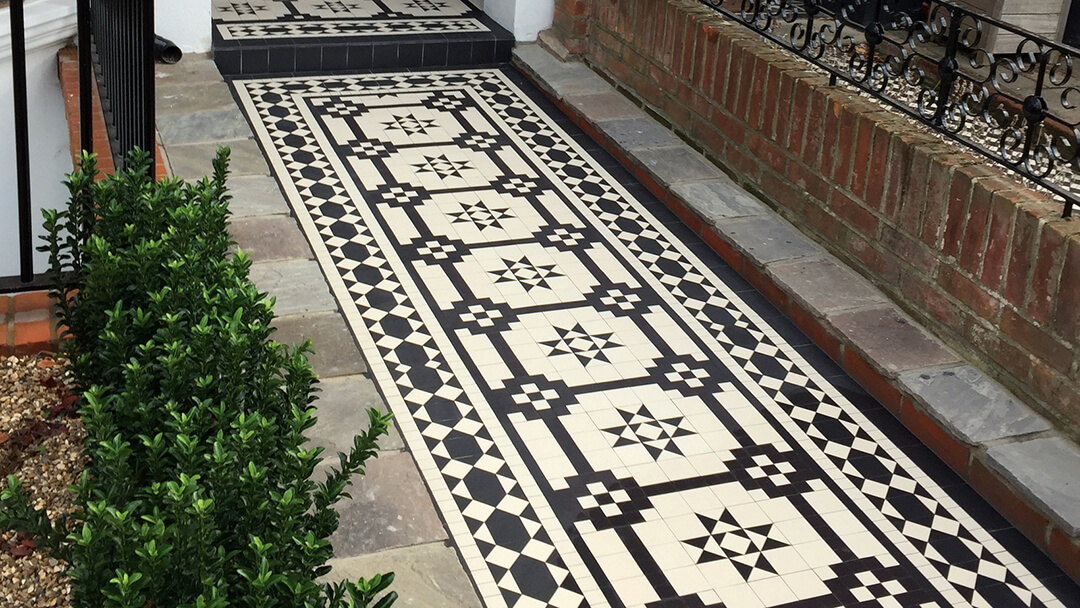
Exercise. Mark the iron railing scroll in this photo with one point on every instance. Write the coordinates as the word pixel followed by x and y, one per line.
pixel 942 64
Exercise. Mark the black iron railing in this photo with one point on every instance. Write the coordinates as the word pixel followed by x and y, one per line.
pixel 123 43
pixel 944 66
pixel 121 35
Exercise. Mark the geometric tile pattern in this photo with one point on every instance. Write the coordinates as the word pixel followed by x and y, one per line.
pixel 601 419
pixel 271 19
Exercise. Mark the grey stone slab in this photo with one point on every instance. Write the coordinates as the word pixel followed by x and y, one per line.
pixel 193 68
pixel 425 576
pixel 891 340
pixel 254 195
pixel 576 79
pixel 390 507
pixel 971 405
pixel 298 285
pixel 677 164
pixel 335 350
pixel 269 238
pixel 193 161
pixel 826 286
pixel 192 97
pixel 767 239
pixel 537 60
pixel 1047 470
pixel 608 105
pixel 203 126
pixel 718 199
pixel 637 133
pixel 342 409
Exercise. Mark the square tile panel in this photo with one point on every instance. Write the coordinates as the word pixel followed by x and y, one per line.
pixel 602 419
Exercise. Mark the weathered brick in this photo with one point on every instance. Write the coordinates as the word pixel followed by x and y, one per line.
pixel 768 153
pixel 1026 227
pixel 811 182
pixel 879 163
pixel 1067 312
pixel 852 211
pixel 976 225
pixel 1003 206
pixel 830 137
pixel 909 250
pixel 1048 263
pixel 959 195
pixel 981 302
pixel 846 144
pixel 1036 340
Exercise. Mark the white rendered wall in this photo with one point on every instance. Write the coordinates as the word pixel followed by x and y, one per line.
pixel 525 18
pixel 49 25
pixel 185 22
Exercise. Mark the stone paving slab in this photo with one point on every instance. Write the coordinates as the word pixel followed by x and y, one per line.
pixel 971 405
pixel 390 507
pixel 270 238
pixel 892 341
pixel 638 134
pixel 204 126
pixel 194 161
pixel 183 98
pixel 342 410
pixel 718 199
pixel 193 68
pixel 606 105
pixel 255 195
pixel 824 286
pixel 335 350
pixel 677 164
pixel 767 239
pixel 298 285
pixel 425 576
pixel 1048 471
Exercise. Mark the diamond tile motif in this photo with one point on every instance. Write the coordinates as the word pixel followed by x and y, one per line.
pixel 600 419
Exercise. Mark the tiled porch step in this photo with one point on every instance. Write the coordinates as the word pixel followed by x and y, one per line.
pixel 323 55
pixel 1011 455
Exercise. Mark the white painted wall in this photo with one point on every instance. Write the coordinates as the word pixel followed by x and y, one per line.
pixel 185 22
pixel 525 18
pixel 49 25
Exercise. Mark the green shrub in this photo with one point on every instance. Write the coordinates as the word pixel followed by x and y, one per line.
pixel 198 490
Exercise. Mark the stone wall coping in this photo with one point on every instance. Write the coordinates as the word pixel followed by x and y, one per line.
pixel 959 411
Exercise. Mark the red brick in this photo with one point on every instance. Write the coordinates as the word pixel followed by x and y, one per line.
pixel 781 192
pixel 850 210
pixel 812 183
pixel 818 333
pixel 756 101
pixel 32 337
pixel 959 195
pixel 883 264
pixel 705 134
pixel 893 200
pixel 824 222
pixel 797 120
pixel 723 69
pixel 969 292
pixel 1066 552
pixel 1022 249
pixel 976 225
pixel 1003 206
pixel 870 379
pixel 929 298
pixel 1035 340
pixel 784 99
pixel 771 102
pixel 1005 500
pixel 879 164
pixel 722 248
pixel 34 300
pixel 704 81
pixel 746 83
pixel 829 139
pixel 909 250
pixel 916 208
pixel 951 451
pixel 687 61
pixel 845 145
pixel 1066 321
pixel 767 153
pixel 1048 263
pixel 765 285
pixel 742 163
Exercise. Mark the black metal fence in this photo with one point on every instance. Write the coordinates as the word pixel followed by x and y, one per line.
pixel 118 37
pixel 995 88
pixel 123 43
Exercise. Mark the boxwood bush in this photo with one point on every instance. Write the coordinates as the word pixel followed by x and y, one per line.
pixel 199 488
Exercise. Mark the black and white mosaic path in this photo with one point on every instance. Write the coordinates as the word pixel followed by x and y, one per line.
pixel 602 417
pixel 276 19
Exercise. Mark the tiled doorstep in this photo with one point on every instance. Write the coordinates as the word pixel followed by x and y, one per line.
pixel 1030 473
pixel 390 524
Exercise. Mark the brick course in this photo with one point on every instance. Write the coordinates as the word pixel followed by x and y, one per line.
pixel 988 264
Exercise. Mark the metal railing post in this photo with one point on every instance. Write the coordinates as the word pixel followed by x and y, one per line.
pixel 22 142
pixel 86 74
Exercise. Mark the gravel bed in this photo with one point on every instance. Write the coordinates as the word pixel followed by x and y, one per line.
pixel 40 443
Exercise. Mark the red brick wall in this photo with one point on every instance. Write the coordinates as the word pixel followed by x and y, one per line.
pixel 984 261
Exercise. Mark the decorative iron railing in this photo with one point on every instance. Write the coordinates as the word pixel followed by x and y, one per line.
pixel 933 61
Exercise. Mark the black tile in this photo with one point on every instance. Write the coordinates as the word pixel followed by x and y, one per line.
pixel 787 330
pixel 410 55
pixel 1066 590
pixel 359 57
pixel 970 501
pixel 483 51
pixel 819 360
pixel 282 59
pixel 335 58
pixel 933 466
pixel 255 61
pixel 384 56
pixel 228 62
pixel 1025 552
pixel 503 49
pixel 308 58
pixel 458 52
pixel 435 54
